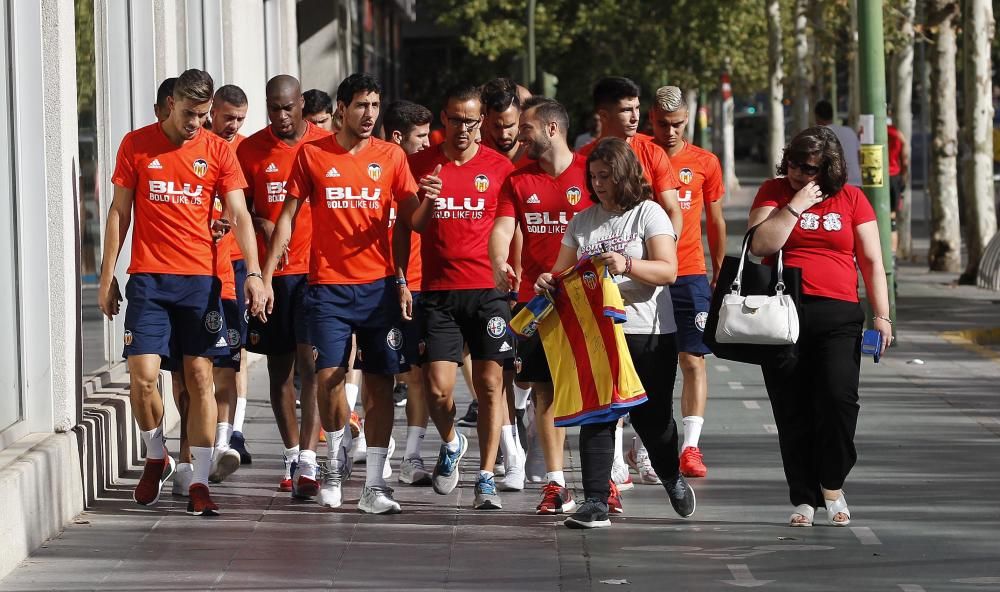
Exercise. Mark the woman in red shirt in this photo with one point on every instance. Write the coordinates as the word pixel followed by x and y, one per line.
pixel 827 229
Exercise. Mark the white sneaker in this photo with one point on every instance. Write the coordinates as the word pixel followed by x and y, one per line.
pixel 224 463
pixel 183 475
pixel 638 459
pixel 621 476
pixel 330 492
pixel 513 479
pixel 413 472
pixel 387 468
pixel 359 449
pixel 378 500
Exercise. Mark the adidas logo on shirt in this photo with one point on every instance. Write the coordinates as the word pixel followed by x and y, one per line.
pixel 271 168
pixel 534 199
pixel 155 164
pixel 333 172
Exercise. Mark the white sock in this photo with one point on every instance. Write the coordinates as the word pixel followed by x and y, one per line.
pixel 223 431
pixel 455 445
pixel 352 395
pixel 333 442
pixel 485 475
pixel 376 463
pixel 414 438
pixel 307 464
pixel 508 445
pixel 555 476
pixel 241 413
pixel 201 457
pixel 619 457
pixel 291 455
pixel 521 397
pixel 692 430
pixel 153 439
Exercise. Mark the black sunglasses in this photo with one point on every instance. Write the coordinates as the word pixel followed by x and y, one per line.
pixel 806 169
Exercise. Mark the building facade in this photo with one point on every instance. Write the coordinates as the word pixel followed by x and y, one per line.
pixel 78 75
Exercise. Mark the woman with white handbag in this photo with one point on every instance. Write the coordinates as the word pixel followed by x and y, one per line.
pixel 828 230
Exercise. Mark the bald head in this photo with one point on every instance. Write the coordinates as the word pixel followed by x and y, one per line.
pixel 284 106
pixel 523 94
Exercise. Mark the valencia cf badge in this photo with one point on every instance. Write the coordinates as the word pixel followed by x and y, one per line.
pixel 482 183
pixel 590 280
pixel 254 338
pixel 128 338
pixel 686 176
pixel 374 171
pixel 573 195
pixel 200 167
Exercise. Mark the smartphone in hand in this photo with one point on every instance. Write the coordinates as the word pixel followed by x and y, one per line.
pixel 871 344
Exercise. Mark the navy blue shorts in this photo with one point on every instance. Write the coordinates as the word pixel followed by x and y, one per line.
pixel 185 309
pixel 371 312
pixel 231 360
pixel 412 344
pixel 240 271
pixel 691 297
pixel 286 325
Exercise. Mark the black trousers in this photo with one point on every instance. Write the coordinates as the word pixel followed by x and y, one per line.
pixel 655 361
pixel 815 399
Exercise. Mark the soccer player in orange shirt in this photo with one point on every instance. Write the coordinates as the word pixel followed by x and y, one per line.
pixel 352 180
pixel 318 108
pixel 616 103
pixel 166 177
pixel 408 124
pixel 701 189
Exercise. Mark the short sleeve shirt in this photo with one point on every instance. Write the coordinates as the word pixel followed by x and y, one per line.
pixel 351 195
pixel 174 195
pixel 700 175
pixel 822 243
pixel 656 166
pixel 648 308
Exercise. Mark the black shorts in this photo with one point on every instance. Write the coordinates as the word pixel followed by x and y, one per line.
pixel 531 364
pixel 453 318
pixel 286 325
pixel 413 345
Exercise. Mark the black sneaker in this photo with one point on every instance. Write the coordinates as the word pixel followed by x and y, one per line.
pixel 239 443
pixel 471 416
pixel 681 496
pixel 592 514
pixel 399 394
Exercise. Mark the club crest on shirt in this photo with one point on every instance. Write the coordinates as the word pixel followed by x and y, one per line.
pixel 200 167
pixel 213 321
pixel 127 338
pixel 496 327
pixel 590 280
pixel 374 171
pixel 254 338
pixel 217 204
pixel 482 183
pixel 394 339
pixel 573 195
pixel 686 176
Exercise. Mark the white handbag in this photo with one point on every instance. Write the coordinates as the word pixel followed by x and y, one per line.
pixel 759 320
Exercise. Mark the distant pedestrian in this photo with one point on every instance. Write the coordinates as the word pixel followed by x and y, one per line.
pixel 898 167
pixel 822 226
pixel 848 140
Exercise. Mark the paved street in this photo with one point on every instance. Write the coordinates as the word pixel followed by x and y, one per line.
pixel 922 496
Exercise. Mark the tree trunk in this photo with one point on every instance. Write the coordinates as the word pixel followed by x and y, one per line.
pixel 977 178
pixel 728 112
pixel 903 120
pixel 803 82
pixel 691 98
pixel 775 91
pixel 853 72
pixel 819 67
pixel 946 242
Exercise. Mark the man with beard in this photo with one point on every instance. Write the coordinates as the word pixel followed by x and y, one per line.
pixel 461 303
pixel 541 198
pixel 267 158
pixel 352 181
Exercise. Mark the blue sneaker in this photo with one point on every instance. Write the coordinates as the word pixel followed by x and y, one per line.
pixel 487 497
pixel 238 443
pixel 446 474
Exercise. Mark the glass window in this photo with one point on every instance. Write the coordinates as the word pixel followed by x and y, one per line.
pixel 11 396
pixel 95 353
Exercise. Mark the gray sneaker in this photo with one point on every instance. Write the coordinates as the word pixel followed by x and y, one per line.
pixel 681 496
pixel 487 497
pixel 446 474
pixel 378 500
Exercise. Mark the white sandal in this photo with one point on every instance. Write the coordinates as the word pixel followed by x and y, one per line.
pixel 805 511
pixel 837 506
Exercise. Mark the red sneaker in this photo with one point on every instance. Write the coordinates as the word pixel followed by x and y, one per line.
pixel 691 463
pixel 355 423
pixel 155 473
pixel 200 503
pixel 615 500
pixel 556 499
pixel 285 485
pixel 304 487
